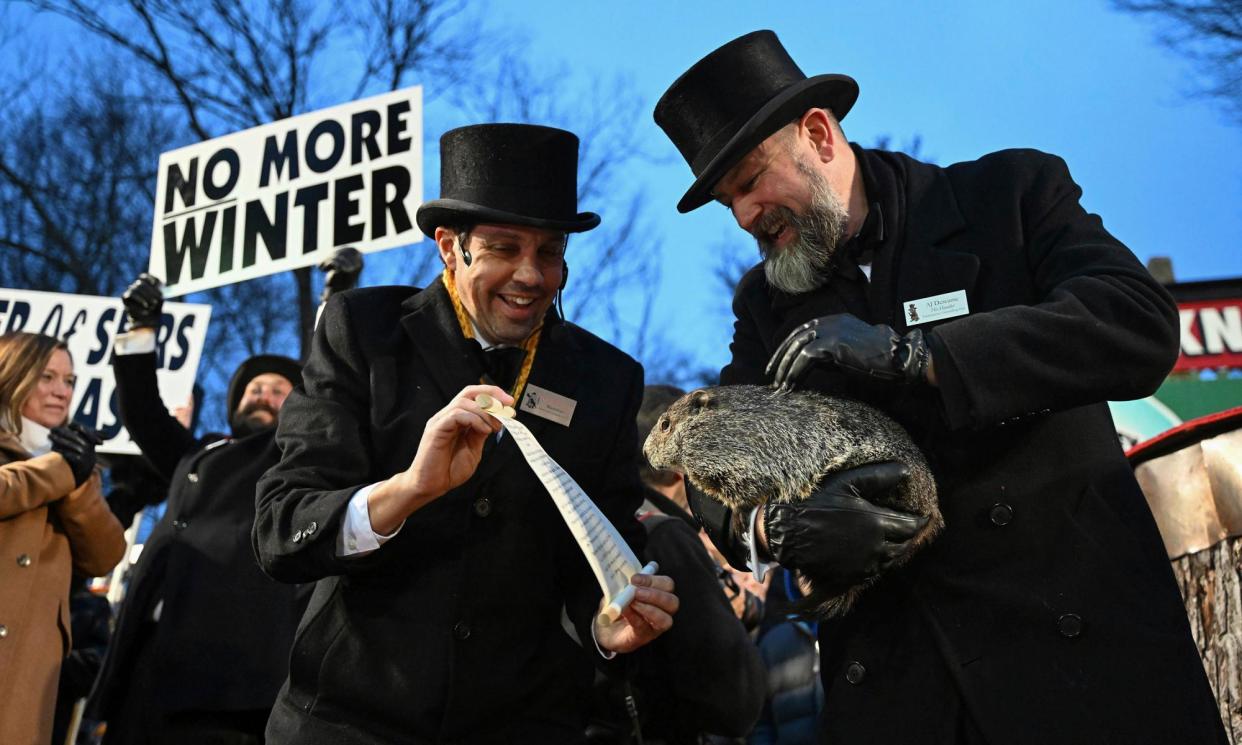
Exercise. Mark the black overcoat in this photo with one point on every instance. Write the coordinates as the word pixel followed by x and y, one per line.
pixel 1047 608
pixel 225 629
pixel 452 631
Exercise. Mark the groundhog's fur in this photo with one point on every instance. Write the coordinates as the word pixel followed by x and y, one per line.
pixel 744 444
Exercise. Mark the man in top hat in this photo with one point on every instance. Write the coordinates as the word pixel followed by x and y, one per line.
pixel 443 567
pixel 984 309
pixel 202 640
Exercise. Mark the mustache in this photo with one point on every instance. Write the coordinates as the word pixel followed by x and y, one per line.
pixel 256 406
pixel 769 222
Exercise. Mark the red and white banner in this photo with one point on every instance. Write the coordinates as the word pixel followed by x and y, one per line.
pixel 1211 334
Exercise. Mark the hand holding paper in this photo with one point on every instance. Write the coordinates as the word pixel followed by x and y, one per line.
pixel 638 604
pixel 643 616
pixel 448 455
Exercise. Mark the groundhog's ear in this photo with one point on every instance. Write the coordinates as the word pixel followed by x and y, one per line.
pixel 700 400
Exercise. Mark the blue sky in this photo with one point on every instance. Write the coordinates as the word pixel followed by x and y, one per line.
pixel 967 76
pixel 1072 77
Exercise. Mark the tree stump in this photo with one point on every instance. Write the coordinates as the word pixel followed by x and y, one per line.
pixel 1192 477
pixel 1211 585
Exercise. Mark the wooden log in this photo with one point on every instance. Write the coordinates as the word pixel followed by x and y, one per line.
pixel 1211 585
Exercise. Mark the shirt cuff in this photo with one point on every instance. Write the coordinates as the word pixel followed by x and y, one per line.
pixel 607 654
pixel 137 341
pixel 357 537
pixel 758 567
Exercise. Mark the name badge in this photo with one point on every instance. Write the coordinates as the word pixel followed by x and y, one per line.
pixel 543 402
pixel 934 308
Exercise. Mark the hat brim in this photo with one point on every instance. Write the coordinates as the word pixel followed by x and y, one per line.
pixel 836 92
pixel 440 212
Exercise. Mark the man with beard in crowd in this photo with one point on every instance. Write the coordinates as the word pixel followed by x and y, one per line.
pixel 982 307
pixel 202 640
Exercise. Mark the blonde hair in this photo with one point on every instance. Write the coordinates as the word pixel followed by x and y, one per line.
pixel 23 357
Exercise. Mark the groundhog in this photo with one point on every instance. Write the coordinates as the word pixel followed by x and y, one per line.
pixel 744 444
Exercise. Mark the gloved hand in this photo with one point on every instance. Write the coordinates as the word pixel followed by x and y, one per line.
pixel 838 537
pixel 852 345
pixel 144 302
pixel 76 444
pixel 342 271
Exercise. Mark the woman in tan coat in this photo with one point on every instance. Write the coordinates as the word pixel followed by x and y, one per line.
pixel 53 520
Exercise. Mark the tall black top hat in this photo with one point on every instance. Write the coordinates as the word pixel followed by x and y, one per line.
pixel 512 174
pixel 735 98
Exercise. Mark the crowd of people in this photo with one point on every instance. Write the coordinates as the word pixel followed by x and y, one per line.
pixel 365 557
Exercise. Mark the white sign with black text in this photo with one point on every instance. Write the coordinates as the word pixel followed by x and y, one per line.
pixel 89 325
pixel 287 194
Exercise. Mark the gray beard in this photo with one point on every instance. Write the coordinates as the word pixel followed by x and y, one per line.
pixel 804 264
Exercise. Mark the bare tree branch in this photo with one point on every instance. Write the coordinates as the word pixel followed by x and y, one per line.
pixel 1209 34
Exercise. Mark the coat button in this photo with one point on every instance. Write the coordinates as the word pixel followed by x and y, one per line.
pixel 1001 514
pixel 461 631
pixel 297 536
pixel 310 529
pixel 4 631
pixel 180 524
pixel 855 672
pixel 192 478
pixel 1070 625
pixel 23 560
pixel 482 507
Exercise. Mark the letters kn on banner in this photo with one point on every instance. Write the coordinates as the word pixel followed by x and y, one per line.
pixel 285 195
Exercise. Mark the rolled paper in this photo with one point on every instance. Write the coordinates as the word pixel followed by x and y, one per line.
pixel 484 401
pixel 621 601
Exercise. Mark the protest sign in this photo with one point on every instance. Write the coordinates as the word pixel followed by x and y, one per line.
pixel 285 195
pixel 89 326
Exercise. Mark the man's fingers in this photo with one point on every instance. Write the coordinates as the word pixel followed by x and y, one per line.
pixel 791 354
pixel 874 478
pixel 786 343
pixel 656 581
pixel 641 614
pixel 801 363
pixel 452 420
pixel 903 527
pixel 661 599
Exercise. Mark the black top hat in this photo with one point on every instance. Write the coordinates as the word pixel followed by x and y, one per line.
pixel 735 98
pixel 512 174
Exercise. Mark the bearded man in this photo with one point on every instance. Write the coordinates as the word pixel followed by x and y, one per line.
pixel 202 639
pixel 986 311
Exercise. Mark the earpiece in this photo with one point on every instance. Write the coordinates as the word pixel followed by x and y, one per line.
pixel 466 258
pixel 564 274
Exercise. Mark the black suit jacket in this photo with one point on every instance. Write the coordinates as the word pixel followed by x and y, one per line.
pixel 452 630
pixel 225 629
pixel 1047 603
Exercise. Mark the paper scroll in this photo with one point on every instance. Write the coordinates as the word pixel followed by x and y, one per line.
pixel 606 551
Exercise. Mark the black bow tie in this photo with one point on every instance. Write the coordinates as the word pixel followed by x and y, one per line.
pixel 503 364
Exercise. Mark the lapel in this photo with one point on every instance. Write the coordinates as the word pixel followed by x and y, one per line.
pixel 557 368
pixel 921 265
pixel 432 326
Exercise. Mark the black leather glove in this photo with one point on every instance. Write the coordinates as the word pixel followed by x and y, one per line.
pixel 853 345
pixel 76 444
pixel 342 271
pixel 837 537
pixel 144 302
